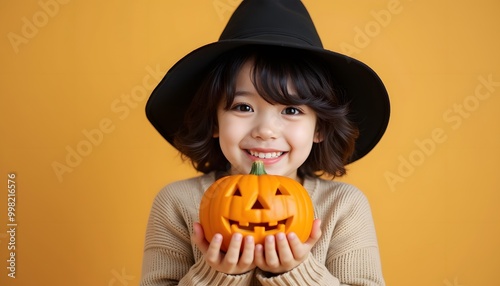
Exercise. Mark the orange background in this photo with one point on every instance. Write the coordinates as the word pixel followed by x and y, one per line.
pixel 75 77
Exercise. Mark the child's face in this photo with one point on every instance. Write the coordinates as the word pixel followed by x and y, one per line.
pixel 253 129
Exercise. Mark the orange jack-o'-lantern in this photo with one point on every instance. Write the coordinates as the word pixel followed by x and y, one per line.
pixel 256 204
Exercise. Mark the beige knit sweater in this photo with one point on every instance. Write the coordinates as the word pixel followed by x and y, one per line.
pixel 346 254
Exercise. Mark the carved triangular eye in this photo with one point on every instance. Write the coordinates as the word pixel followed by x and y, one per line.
pixel 237 193
pixel 278 192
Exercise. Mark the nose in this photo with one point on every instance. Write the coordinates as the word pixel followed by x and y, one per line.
pixel 267 127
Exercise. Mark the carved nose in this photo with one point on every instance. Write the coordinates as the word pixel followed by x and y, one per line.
pixel 257 205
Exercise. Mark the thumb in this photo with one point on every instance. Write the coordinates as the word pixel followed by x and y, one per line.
pixel 315 232
pixel 198 237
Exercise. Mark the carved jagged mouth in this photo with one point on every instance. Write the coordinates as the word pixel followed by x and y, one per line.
pixel 257 227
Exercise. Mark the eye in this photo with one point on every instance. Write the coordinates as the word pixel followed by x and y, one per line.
pixel 291 110
pixel 242 107
pixel 237 193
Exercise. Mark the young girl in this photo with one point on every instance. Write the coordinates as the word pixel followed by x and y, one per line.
pixel 267 91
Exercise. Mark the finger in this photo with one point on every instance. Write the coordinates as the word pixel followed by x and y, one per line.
pixel 295 245
pixel 247 256
pixel 233 251
pixel 199 237
pixel 259 258
pixel 271 256
pixel 213 252
pixel 284 252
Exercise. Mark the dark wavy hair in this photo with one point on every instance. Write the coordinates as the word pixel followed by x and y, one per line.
pixel 273 69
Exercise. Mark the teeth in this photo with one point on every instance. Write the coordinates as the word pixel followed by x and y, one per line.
pixel 266 155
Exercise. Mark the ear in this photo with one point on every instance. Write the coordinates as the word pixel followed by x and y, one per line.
pixel 215 134
pixel 318 137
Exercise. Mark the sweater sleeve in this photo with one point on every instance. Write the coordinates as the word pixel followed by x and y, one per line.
pixel 310 272
pixel 353 255
pixel 169 257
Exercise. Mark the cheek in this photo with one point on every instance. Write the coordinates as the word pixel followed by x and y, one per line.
pixel 227 131
pixel 302 135
pixel 230 133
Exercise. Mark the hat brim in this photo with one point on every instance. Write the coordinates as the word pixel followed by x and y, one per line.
pixel 369 101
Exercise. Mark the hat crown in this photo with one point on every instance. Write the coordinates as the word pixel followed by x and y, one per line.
pixel 282 21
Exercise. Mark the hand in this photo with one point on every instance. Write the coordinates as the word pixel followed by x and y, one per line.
pixel 282 253
pixel 231 262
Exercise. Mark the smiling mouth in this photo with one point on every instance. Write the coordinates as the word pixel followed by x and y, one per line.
pixel 265 155
pixel 261 227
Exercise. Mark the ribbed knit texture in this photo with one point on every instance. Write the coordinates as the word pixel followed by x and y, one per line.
pixel 346 254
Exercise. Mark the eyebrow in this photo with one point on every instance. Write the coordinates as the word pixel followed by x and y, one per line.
pixel 242 93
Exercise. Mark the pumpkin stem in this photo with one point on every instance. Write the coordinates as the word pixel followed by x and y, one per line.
pixel 258 168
